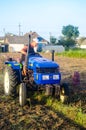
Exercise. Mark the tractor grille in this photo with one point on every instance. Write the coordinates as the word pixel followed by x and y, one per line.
pixel 47 70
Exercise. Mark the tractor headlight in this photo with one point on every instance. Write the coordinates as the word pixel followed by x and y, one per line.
pixel 45 77
pixel 56 77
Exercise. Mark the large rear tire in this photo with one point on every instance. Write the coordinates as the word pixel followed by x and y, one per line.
pixel 10 81
pixel 64 93
pixel 22 94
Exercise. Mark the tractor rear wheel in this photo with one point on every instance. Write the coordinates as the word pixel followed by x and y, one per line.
pixel 10 81
pixel 64 92
pixel 22 94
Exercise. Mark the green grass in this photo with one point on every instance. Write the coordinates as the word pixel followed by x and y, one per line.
pixel 74 53
pixel 70 111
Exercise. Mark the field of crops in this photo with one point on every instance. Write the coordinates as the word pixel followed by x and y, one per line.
pixel 47 113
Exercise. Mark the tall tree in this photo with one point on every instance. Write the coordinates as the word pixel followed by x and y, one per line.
pixel 70 32
pixel 52 40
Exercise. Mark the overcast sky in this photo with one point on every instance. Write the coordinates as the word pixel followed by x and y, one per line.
pixel 43 16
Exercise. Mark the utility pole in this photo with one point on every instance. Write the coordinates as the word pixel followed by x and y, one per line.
pixel 19 29
pixel 50 36
pixel 4 31
pixel 4 34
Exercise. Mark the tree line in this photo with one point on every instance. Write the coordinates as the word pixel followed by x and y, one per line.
pixel 69 35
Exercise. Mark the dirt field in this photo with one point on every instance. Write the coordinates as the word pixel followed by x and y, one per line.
pixel 38 116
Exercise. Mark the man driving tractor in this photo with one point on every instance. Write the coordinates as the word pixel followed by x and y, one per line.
pixel 32 49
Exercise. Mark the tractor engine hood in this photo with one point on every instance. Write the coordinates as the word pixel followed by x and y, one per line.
pixel 40 62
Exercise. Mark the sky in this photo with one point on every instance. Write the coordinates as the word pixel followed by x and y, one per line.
pixel 46 17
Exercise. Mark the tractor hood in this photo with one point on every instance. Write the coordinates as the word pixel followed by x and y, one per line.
pixel 40 62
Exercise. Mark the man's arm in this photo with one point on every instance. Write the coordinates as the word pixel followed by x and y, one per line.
pixel 24 50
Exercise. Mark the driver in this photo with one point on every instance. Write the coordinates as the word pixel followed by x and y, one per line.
pixel 32 49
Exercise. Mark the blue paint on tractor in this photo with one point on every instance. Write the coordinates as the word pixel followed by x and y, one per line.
pixel 45 71
pixel 14 64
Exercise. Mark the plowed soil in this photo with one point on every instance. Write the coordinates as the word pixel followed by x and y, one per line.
pixel 35 115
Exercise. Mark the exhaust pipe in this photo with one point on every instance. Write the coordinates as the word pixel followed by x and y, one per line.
pixel 52 55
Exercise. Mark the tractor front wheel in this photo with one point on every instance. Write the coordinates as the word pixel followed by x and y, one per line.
pixel 22 94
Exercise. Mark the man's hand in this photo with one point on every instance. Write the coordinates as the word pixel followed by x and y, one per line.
pixel 25 70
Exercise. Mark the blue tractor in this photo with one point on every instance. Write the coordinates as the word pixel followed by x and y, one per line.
pixel 42 74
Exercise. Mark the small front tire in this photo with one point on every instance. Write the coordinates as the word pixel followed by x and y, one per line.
pixel 22 94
